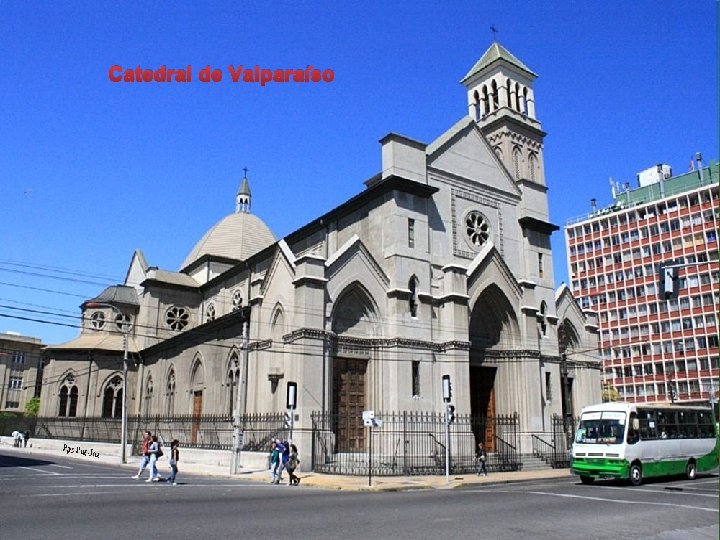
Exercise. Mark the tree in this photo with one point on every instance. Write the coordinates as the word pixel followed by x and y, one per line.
pixel 32 407
pixel 610 393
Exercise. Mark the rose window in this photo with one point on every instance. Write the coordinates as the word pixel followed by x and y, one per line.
pixel 237 300
pixel 210 313
pixel 177 318
pixel 476 228
pixel 97 320
pixel 121 321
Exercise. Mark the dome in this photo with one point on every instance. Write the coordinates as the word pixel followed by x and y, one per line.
pixel 237 236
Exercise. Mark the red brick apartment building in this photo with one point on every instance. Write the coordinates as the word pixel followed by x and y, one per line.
pixel 647 265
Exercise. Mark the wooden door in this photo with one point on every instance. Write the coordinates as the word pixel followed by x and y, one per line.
pixel 349 399
pixel 482 404
pixel 197 411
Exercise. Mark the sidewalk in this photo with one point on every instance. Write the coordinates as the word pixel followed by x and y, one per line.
pixel 311 479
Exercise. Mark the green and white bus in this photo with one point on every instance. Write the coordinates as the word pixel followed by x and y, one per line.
pixel 632 441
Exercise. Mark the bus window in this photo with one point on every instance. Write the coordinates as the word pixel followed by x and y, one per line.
pixel 633 432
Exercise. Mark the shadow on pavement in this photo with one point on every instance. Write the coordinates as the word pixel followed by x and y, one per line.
pixel 16 461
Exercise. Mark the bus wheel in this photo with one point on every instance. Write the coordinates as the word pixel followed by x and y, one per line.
pixel 587 480
pixel 636 477
pixel 691 470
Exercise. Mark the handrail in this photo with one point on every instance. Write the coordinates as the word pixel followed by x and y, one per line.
pixel 540 449
pixel 500 439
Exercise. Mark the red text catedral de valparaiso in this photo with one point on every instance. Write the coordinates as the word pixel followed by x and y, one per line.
pixel 239 73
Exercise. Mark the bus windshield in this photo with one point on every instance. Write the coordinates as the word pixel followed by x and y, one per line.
pixel 601 428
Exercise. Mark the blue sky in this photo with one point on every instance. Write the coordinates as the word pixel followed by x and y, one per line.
pixel 91 170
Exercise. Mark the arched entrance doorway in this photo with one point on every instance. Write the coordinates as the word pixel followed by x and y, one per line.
pixel 353 323
pixel 493 334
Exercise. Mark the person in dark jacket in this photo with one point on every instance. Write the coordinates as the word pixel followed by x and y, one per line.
pixel 481 459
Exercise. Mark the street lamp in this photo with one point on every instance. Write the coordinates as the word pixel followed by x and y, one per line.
pixel 126 331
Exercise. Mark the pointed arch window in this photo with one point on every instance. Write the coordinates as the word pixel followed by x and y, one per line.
pixel 148 395
pixel 485 100
pixel 476 104
pixel 517 97
pixel 68 397
pixel 170 394
pixel 210 313
pixel 508 90
pixel 232 379
pixel 516 162
pixel 494 87
pixel 112 398
pixel 532 165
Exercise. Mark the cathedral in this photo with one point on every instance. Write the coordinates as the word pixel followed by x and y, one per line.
pixel 440 266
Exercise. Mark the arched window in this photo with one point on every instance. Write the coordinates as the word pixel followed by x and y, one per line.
pixel 148 395
pixel 494 95
pixel 232 379
pixel 516 162
pixel 68 397
pixel 476 105
pixel 508 89
pixel 517 97
pixel 210 313
pixel 112 398
pixel 525 101
pixel 170 394
pixel 485 100
pixel 532 165
pixel 412 303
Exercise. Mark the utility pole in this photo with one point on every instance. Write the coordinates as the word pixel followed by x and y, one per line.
pixel 240 402
pixel 125 320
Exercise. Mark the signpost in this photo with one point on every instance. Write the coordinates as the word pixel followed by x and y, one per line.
pixel 291 404
pixel 447 396
pixel 370 422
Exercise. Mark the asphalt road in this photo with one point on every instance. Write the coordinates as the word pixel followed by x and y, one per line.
pixel 61 498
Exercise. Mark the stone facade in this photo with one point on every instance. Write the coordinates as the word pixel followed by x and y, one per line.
pixel 441 266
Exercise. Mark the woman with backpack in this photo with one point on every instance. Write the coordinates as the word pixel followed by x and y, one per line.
pixel 155 453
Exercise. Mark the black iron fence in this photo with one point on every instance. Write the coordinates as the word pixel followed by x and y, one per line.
pixel 211 432
pixel 556 451
pixel 411 443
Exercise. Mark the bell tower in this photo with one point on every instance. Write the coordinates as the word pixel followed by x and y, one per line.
pixel 502 102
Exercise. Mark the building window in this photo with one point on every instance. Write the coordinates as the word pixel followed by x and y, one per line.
pixel 548 386
pixel 68 397
pixel 97 320
pixel 18 357
pixel 412 303
pixel 112 398
pixel 210 313
pixel 541 265
pixel 237 299
pixel 149 389
pixel 416 378
pixel 15 383
pixel 476 228
pixel 411 233
pixel 170 391
pixel 177 318
pixel 233 376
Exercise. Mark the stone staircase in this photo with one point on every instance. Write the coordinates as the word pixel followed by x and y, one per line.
pixel 534 463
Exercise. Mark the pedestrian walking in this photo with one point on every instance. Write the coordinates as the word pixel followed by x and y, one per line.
pixel 274 461
pixel 292 464
pixel 27 438
pixel 155 453
pixel 16 436
pixel 146 454
pixel 174 458
pixel 481 459
pixel 284 449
